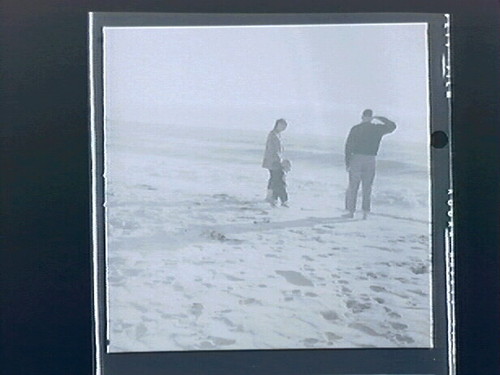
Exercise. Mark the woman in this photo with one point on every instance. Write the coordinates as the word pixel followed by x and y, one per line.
pixel 272 155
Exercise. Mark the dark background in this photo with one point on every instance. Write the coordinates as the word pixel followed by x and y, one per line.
pixel 46 317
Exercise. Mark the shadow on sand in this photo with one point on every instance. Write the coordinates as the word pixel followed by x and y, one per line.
pixel 396 217
pixel 266 225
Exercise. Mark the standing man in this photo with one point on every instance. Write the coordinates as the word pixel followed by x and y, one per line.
pixel 361 148
pixel 272 157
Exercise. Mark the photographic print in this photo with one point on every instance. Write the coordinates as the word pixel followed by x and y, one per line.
pixel 267 187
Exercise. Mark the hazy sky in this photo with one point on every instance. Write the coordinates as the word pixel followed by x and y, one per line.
pixel 317 77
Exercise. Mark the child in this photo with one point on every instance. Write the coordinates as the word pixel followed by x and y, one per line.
pixel 278 183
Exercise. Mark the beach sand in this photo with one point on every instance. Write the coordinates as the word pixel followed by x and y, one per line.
pixel 197 260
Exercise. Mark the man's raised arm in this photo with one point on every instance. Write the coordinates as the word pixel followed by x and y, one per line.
pixel 389 125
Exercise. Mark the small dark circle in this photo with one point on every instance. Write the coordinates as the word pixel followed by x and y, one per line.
pixel 439 139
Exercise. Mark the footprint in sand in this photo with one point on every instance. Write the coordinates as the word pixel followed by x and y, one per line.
pixel 289 296
pixel 391 313
pixel 131 272
pixel 139 307
pixel 250 301
pixel 332 336
pixel 310 294
pixel 364 328
pixel 146 187
pixel 310 342
pixel 206 345
pixel 419 269
pixel 295 278
pixel 398 326
pixel 140 331
pixel 221 341
pixel 329 315
pixel 245 217
pixel 365 298
pixel 419 293
pixel 357 307
pixel 321 231
pixel 346 290
pixel 196 309
pixel 404 339
pixel 178 288
pixel 232 278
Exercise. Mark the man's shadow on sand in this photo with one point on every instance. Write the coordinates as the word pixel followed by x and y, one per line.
pixel 265 224
pixel 225 232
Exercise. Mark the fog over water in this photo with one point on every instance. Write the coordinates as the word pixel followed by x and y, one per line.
pixel 319 78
